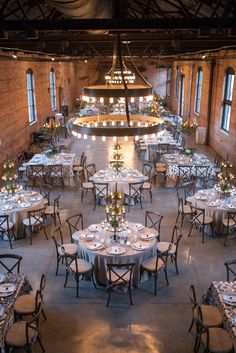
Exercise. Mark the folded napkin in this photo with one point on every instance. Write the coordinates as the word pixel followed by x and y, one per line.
pixel 229 297
pixel 139 246
pixel 95 246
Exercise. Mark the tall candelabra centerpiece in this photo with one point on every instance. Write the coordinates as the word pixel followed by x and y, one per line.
pixel 225 178
pixel 9 177
pixel 115 211
pixel 117 158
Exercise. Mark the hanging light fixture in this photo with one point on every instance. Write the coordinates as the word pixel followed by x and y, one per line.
pixel 120 89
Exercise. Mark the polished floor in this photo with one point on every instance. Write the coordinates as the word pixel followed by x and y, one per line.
pixel 153 324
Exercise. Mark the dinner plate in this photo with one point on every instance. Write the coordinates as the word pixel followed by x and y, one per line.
pixel 95 246
pixel 147 236
pixel 201 197
pixel 2 278
pixel 138 226
pixel 214 204
pixel 229 298
pixel 139 246
pixel 94 227
pixel 7 289
pixel 36 198
pixel 116 250
pixel 25 204
pixel 231 206
pixel 87 237
pixel 7 207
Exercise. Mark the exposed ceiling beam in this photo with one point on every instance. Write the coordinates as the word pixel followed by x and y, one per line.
pixel 116 24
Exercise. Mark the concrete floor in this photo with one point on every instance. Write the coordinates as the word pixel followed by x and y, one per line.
pixel 153 324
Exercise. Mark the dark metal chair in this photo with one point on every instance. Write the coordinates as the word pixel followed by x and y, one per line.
pixel 119 275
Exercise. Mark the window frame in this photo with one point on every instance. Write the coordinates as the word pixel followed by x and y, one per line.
pixel 177 82
pixel 52 82
pixel 198 94
pixel 168 81
pixel 227 100
pixel 30 89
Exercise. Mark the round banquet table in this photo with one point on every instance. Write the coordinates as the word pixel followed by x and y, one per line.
pixel 134 235
pixel 17 207
pixel 119 180
pixel 214 207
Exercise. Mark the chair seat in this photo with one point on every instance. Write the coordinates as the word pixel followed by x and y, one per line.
pixel 83 266
pixel 77 168
pixel 150 264
pixel 16 336
pixel 231 222
pixel 34 222
pixel 4 225
pixel 160 167
pixel 186 209
pixel 146 185
pixel 120 272
pixel 211 316
pixel 25 304
pixel 50 210
pixel 87 185
pixel 219 342
pixel 70 249
pixel 163 246
pixel 208 219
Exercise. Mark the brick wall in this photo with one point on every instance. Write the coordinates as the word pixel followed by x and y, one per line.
pixel 221 142
pixel 15 130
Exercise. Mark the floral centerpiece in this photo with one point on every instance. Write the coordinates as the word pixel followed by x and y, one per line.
pixel 51 150
pixel 115 211
pixel 9 177
pixel 189 152
pixel 225 178
pixel 189 129
pixel 117 162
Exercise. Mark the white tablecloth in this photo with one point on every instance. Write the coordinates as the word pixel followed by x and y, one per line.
pixel 210 201
pixel 66 159
pixel 174 160
pixel 17 207
pixel 100 257
pixel 121 179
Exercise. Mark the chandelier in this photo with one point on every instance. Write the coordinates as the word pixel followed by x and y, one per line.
pixel 120 106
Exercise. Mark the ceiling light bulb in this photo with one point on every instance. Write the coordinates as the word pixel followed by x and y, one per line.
pixel 126 138
pixel 103 138
pixel 93 138
pixel 85 137
pixel 53 59
pixel 14 56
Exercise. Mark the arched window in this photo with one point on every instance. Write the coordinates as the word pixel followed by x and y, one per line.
pixel 227 101
pixel 198 91
pixel 30 95
pixel 168 81
pixel 52 89
pixel 177 83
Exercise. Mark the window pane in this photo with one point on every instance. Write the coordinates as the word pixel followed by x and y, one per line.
pixel 177 83
pixel 198 91
pixel 52 89
pixel 30 96
pixel 228 95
